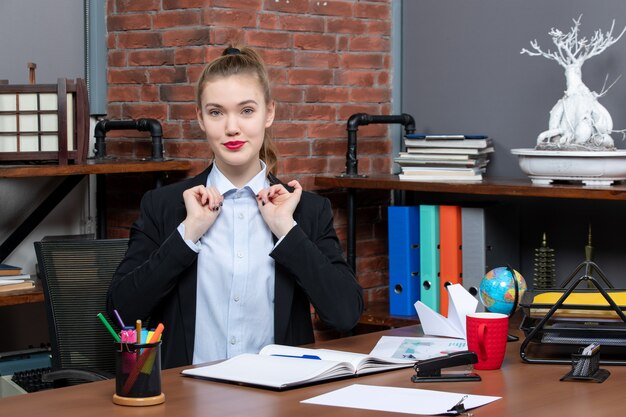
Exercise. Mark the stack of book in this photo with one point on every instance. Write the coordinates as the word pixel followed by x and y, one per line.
pixel 11 279
pixel 444 157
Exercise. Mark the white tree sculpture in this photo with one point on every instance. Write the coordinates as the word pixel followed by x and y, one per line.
pixel 577 121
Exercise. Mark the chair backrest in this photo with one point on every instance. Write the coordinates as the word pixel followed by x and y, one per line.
pixel 76 274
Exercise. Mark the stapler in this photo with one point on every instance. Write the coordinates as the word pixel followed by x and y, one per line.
pixel 429 370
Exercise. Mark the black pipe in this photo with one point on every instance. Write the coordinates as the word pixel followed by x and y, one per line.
pixel 356 120
pixel 143 125
pixel 362 119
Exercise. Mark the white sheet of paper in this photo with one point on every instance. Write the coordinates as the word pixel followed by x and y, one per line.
pixel 416 348
pixel 399 400
pixel 460 304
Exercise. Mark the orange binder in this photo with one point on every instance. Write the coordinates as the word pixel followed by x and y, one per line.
pixel 450 259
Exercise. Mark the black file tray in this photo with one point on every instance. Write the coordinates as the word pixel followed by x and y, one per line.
pixel 553 341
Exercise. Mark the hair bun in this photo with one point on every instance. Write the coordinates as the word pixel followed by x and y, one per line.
pixel 232 51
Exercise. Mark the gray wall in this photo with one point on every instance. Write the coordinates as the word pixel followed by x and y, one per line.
pixel 48 33
pixel 463 72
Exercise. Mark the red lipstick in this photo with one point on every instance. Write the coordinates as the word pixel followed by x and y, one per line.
pixel 234 145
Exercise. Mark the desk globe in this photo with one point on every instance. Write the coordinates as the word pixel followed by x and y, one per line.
pixel 497 290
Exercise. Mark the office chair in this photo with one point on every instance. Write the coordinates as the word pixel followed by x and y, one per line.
pixel 76 274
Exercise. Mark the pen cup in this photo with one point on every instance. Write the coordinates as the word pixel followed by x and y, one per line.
pixel 138 374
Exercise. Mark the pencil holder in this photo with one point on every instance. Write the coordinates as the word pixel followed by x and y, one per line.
pixel 138 374
pixel 586 367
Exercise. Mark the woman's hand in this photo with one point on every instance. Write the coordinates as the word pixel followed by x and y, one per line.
pixel 277 206
pixel 203 206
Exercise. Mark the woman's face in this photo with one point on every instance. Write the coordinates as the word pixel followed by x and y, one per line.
pixel 234 116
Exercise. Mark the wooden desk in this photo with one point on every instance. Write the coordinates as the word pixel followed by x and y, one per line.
pixel 527 390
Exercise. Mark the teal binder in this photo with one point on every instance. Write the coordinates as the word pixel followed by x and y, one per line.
pixel 404 259
pixel 429 256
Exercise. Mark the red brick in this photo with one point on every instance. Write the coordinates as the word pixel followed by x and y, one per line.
pixel 373 147
pixel 167 20
pixel 126 76
pixel 128 22
pixel 239 4
pixel 277 57
pixel 370 278
pixel 348 110
pixel 178 93
pixel 167 75
pixel 314 42
pixel 225 36
pixel 317 59
pixel 122 6
pixel 293 147
pixel 114 110
pixel 327 130
pixel 152 57
pixel 310 76
pixel 191 55
pixel 189 149
pixel 277 75
pixel 378 27
pixel 230 17
pixel 293 6
pixel 116 59
pixel 268 21
pixel 369 44
pixel 268 39
pixel 183 4
pixel 329 147
pixel 125 93
pixel 285 94
pixel 372 11
pixel 327 94
pixel 304 165
pixel 346 25
pixel 302 23
pixel 357 77
pixel 136 40
pixel 371 95
pixel 149 92
pixel 183 112
pixel 313 112
pixel 187 37
pixel 289 130
pixel 171 130
pixel 361 60
pixel 331 8
pixel 191 130
pixel 138 111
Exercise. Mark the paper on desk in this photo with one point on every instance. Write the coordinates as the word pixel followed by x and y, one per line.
pixel 460 304
pixel 399 400
pixel 416 348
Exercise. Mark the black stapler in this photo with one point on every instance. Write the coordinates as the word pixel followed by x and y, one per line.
pixel 429 370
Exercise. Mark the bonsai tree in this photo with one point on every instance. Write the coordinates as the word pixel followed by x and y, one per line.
pixel 577 121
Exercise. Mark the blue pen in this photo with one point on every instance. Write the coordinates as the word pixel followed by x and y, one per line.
pixel 301 356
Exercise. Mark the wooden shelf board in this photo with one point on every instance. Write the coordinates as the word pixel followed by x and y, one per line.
pixel 32 295
pixel 498 187
pixel 107 166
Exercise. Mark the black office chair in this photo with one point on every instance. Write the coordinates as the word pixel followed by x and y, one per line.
pixel 76 274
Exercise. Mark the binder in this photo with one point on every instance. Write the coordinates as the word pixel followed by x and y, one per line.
pixel 404 259
pixel 474 249
pixel 429 256
pixel 450 254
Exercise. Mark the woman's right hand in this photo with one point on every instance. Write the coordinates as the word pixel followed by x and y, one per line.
pixel 203 206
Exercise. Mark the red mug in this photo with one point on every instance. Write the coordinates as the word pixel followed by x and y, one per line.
pixel 486 336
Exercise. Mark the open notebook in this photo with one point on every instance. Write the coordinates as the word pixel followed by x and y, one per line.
pixel 280 367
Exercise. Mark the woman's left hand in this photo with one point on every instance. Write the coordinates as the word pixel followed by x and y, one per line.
pixel 277 206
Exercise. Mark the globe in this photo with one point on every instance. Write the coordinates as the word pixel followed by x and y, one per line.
pixel 497 290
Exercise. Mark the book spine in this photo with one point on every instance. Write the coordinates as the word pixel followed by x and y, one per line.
pixel 473 254
pixel 404 259
pixel 450 259
pixel 429 256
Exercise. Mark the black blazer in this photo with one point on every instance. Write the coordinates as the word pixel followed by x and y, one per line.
pixel 157 278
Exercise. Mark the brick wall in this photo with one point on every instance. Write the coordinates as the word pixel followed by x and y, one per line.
pixel 327 61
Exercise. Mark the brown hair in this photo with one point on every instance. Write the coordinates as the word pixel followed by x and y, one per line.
pixel 242 60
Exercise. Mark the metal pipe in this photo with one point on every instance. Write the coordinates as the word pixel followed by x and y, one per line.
pixel 143 125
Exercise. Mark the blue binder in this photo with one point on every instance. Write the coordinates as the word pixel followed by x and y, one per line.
pixel 429 256
pixel 404 259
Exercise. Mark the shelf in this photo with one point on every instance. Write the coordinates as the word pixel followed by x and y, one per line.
pixel 494 187
pixel 376 313
pixel 32 295
pixel 107 166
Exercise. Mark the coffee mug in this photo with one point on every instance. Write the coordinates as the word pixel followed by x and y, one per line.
pixel 486 336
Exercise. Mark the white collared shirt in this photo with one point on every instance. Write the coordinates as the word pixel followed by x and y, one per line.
pixel 235 290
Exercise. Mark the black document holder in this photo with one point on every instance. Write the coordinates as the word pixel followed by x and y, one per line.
pixel 551 342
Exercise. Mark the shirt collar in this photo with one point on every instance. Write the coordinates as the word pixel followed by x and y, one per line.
pixel 217 179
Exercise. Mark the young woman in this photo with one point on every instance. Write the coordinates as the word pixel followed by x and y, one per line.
pixel 232 259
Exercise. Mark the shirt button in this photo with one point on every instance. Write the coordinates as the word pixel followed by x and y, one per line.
pixel 240 215
pixel 236 298
pixel 233 340
pixel 239 254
